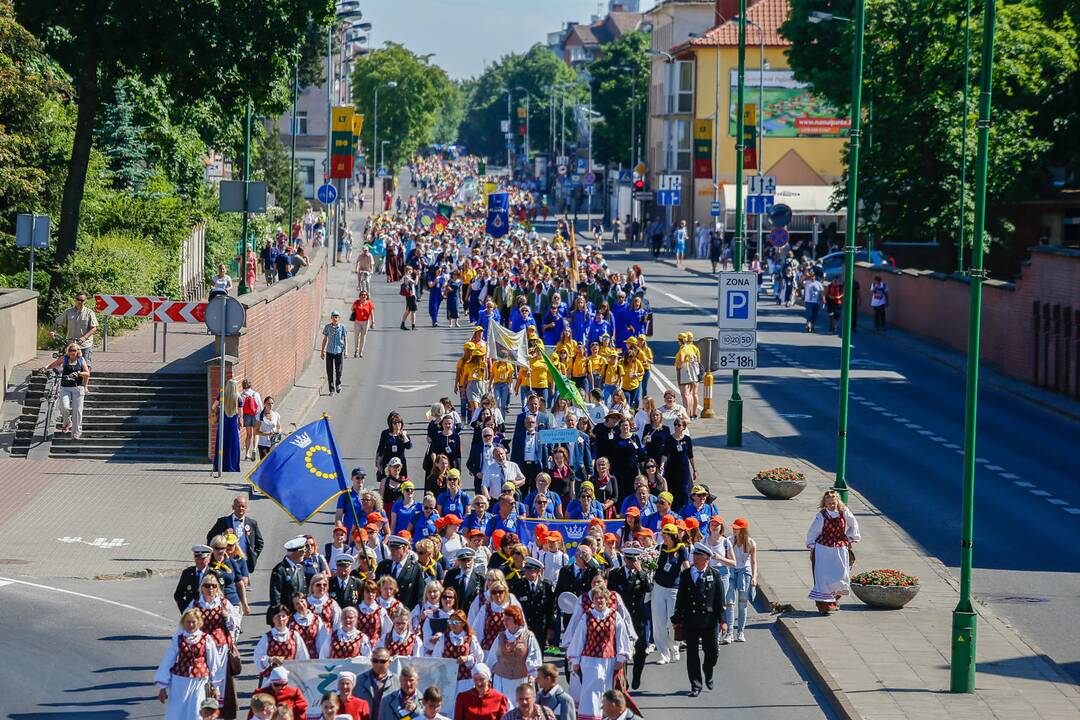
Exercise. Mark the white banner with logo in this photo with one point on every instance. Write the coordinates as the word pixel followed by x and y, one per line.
pixel 318 677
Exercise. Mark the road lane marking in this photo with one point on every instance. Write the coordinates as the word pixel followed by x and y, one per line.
pixel 87 597
pixel 678 299
pixel 888 414
pixel 926 432
pixel 1010 476
pixel 1072 510
pixel 901 420
pixel 952 446
pixel 937 439
pixel 407 387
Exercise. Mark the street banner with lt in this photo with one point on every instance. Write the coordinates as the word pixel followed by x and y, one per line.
pixel 737 321
pixel 342 150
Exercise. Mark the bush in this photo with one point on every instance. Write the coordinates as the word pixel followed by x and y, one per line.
pixel 885 578
pixel 782 474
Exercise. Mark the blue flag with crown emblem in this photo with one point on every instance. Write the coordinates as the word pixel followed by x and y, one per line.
pixel 302 473
pixel 498 217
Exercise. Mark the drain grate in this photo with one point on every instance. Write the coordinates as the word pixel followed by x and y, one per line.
pixel 1017 599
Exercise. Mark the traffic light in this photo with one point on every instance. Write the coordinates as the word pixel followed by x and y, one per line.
pixel 639 184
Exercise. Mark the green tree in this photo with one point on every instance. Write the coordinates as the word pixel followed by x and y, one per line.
pixel 124 143
pixel 540 74
pixel 613 97
pixel 914 67
pixel 227 51
pixel 409 112
pixel 271 164
pixel 453 113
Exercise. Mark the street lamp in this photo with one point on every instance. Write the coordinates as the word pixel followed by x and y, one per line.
pixel 375 136
pixel 760 121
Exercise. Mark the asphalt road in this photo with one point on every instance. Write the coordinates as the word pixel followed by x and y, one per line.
pixel 92 655
pixel 905 449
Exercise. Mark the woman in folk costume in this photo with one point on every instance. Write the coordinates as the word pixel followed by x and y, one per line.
pixel 483 599
pixel 585 604
pixel 187 670
pixel 307 624
pixel 489 616
pixel 447 605
pixel 321 603
pixel 221 620
pixel 428 607
pixel 599 649
pixel 388 590
pixel 372 619
pixel 460 643
pixel 278 644
pixel 345 641
pixel 833 530
pixel 515 655
pixel 400 640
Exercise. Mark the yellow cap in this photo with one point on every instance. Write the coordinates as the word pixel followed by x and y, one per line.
pixel 670 529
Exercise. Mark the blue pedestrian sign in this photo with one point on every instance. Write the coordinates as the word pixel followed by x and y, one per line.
pixel 759 204
pixel 714 208
pixel 381 172
pixel 327 194
pixel 665 198
pixel 625 177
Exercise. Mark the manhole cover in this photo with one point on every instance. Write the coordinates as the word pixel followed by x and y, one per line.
pixel 13 561
pixel 1018 599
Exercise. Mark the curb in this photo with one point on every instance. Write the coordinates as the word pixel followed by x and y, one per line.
pixel 826 683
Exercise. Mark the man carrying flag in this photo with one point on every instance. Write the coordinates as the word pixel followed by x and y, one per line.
pixel 563 387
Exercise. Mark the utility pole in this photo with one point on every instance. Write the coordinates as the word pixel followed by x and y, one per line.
pixel 963 142
pixel 330 222
pixel 292 140
pixel 243 289
pixel 964 617
pixel 850 248
pixel 509 126
pixel 734 409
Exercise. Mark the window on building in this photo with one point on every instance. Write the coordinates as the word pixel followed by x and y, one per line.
pixel 301 122
pixel 680 145
pixel 680 99
pixel 307 177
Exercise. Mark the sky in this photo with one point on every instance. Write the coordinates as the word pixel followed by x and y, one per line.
pixel 464 34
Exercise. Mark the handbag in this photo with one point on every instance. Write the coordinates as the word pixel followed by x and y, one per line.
pixel 352 315
pixel 234 660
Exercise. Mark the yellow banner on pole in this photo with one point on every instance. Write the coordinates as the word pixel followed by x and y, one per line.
pixel 749 114
pixel 341 119
pixel 703 129
pixel 357 124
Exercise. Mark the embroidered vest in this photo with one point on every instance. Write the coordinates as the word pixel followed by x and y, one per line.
pixel 493 625
pixel 405 647
pixel 370 624
pixel 453 652
pixel 214 623
pixel 308 634
pixel 833 532
pixel 191 660
pixel 600 637
pixel 511 657
pixel 326 613
pixel 342 649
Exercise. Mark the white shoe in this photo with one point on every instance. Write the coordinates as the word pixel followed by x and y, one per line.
pixel 675 655
pixel 664 660
pixel 650 649
pixel 725 638
pixel 741 637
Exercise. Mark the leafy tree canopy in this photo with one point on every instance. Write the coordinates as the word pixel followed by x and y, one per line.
pixel 613 87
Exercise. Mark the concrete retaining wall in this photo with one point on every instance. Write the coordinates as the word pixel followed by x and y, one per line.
pixel 18 328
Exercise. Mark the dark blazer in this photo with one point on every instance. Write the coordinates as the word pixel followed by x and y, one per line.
pixel 284 581
pixel 348 592
pixel 254 537
pixel 476 453
pixel 635 592
pixel 568 583
pixel 409 579
pixel 187 588
pixel 699 607
pixel 467 587
pixel 544 421
pixel 517 447
pixel 366 686
pixel 538 606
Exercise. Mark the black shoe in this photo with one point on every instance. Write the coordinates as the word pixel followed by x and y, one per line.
pixel 694 692
pixel 709 683
pixel 403 326
pixel 635 683
pixel 338 389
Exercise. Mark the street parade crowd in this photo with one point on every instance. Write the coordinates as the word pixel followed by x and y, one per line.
pixel 547 567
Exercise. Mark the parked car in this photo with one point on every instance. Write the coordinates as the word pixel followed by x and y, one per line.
pixel 833 263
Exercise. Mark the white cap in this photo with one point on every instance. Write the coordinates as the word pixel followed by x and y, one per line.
pixel 279 674
pixel 481 669
pixel 346 675
pixel 297 543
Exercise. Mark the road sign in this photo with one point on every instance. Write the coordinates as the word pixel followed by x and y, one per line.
pixel 179 311
pixel 780 215
pixel 328 193
pixel 504 126
pixel 670 182
pixel 382 172
pixel 714 208
pixel 125 305
pixel 778 237
pixel 640 168
pixel 581 165
pixel 737 360
pixel 644 195
pixel 759 204
pixel 738 301
pixel 666 198
pixel 231 194
pixel 625 176
pixel 225 315
pixel 32 231
pixel 561 169
pixel 737 340
pixel 590 178
pixel 562 160
pixel 762 185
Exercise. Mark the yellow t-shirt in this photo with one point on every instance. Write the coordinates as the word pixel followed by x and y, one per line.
pixel 538 373
pixel 473 368
pixel 612 373
pixel 595 364
pixel 630 372
pixel 645 356
pixel 578 365
pixel 570 346
pixel 501 371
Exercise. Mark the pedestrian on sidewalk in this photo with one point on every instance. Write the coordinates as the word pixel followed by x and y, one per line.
pixel 74 373
pixel 251 405
pixel 812 292
pixel 229 433
pixel 679 242
pixel 879 300
pixel 334 350
pixel 269 429
pixel 834 302
pixel 408 291
pixel 832 532
pixel 221 282
pixel 742 579
pixel 363 317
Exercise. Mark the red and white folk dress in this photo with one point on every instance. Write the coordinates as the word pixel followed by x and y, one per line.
pixel 286 644
pixel 598 644
pixel 829 537
pixel 309 627
pixel 402 645
pixel 190 663
pixel 343 644
pixel 373 621
pixel 460 645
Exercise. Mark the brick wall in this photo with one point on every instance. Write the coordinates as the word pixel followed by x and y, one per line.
pixel 1047 353
pixel 282 325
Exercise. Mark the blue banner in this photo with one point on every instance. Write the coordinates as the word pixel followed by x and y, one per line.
pixel 302 473
pixel 425 217
pixel 498 217
pixel 572 530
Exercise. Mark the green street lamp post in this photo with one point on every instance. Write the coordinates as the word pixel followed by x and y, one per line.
pixel 963 618
pixel 964 142
pixel 734 407
pixel 292 141
pixel 243 289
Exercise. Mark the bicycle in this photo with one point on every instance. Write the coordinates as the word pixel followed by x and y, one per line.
pixel 52 393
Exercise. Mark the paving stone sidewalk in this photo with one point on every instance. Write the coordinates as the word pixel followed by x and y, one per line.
pixel 880 664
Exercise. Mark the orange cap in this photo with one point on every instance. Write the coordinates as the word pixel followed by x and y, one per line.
pixel 633 510
pixel 740 524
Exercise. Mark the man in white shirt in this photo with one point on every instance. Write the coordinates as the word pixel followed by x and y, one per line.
pixel 502 471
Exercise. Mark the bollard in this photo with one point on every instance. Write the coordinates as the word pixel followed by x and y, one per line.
pixel 706 403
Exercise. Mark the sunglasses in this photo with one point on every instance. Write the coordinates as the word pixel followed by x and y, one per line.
pixel 375 661
pixel 210 585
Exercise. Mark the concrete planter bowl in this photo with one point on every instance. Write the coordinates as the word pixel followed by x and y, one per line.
pixel 886 597
pixel 779 484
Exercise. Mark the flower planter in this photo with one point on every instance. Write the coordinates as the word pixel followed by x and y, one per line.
pixel 888 597
pixel 778 489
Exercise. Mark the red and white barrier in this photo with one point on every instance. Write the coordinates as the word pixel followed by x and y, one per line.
pixel 125 305
pixel 170 311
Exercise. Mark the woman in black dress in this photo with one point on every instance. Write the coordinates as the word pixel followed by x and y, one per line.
pixel 654 440
pixel 393 442
pixel 623 453
pixel 678 464
pixel 446 442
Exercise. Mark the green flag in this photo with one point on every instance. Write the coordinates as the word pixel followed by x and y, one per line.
pixel 565 388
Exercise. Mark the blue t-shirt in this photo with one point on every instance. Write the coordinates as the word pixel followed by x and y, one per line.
pixel 652 521
pixel 702 514
pixel 632 501
pixel 574 511
pixel 404 515
pixel 553 501
pixel 423 526
pixel 457 505
pixel 482 523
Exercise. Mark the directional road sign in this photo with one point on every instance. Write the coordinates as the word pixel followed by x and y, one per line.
pixel 180 311
pixel 644 195
pixel 714 208
pixel 328 193
pixel 670 182
pixel 666 198
pixel 762 185
pixel 125 305
pixel 759 204
pixel 738 301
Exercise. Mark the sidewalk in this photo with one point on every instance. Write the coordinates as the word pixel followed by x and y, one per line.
pixel 875 663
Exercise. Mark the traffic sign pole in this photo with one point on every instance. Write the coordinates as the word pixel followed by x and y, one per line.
pixel 734 410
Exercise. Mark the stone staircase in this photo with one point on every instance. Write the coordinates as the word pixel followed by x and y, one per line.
pixel 139 417
pixel 26 424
